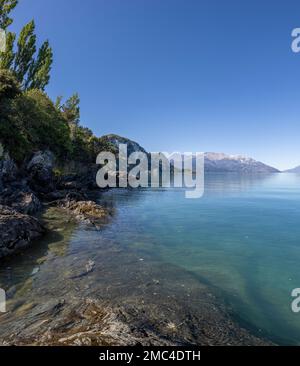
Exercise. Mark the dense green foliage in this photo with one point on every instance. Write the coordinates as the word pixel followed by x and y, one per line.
pixel 31 68
pixel 29 120
pixel 71 109
pixel 9 86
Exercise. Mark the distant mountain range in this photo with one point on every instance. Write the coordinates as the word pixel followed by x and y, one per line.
pixel 223 163
pixel 295 170
pixel 219 162
pixel 214 162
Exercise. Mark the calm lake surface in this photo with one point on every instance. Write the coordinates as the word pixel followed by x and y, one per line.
pixel 242 239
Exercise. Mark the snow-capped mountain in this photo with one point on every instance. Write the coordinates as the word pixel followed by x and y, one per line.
pixel 220 162
pixel 214 162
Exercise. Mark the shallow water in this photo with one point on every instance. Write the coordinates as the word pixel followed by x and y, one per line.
pixel 242 238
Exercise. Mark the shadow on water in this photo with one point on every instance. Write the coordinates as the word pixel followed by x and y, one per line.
pixel 18 268
pixel 269 316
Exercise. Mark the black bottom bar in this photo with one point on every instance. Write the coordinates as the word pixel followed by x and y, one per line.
pixel 136 355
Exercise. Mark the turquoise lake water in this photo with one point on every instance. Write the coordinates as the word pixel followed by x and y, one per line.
pixel 242 238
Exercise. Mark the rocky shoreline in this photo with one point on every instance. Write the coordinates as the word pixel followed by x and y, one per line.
pixel 26 191
pixel 139 318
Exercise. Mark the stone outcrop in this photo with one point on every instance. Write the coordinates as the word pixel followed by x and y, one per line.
pixel 86 211
pixel 21 199
pixel 40 171
pixel 27 203
pixel 8 170
pixel 17 230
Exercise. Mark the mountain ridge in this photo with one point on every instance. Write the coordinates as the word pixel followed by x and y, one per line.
pixel 214 162
pixel 293 170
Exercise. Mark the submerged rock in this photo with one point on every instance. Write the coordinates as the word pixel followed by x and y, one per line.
pixel 87 211
pixel 89 268
pixel 17 230
pixel 88 323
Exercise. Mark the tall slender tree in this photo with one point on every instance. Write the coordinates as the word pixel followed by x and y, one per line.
pixel 7 57
pixel 26 48
pixel 31 70
pixel 39 71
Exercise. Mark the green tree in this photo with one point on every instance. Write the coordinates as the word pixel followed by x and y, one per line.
pixel 58 103
pixel 26 49
pixel 31 70
pixel 39 72
pixel 71 109
pixel 30 122
pixel 7 57
pixel 6 6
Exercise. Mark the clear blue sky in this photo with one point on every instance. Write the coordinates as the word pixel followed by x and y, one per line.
pixel 179 75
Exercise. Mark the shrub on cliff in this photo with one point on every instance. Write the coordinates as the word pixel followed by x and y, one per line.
pixel 29 121
pixel 44 126
pixel 10 135
pixel 9 86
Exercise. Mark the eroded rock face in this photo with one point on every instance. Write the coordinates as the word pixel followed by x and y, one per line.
pixel 8 169
pixel 21 199
pixel 27 203
pixel 40 170
pixel 16 230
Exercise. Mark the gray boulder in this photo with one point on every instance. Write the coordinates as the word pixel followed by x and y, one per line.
pixel 8 169
pixel 27 203
pixel 40 171
pixel 21 199
pixel 17 231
